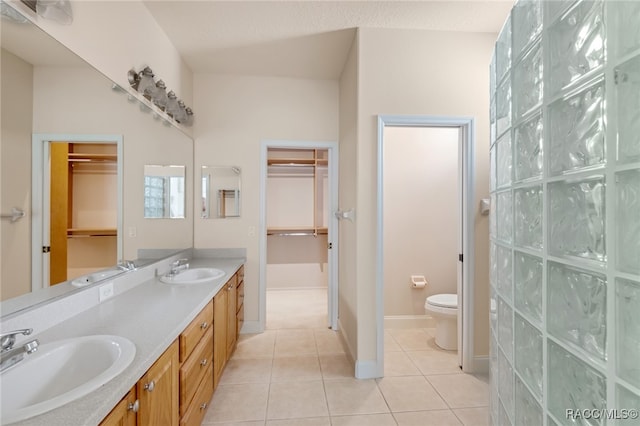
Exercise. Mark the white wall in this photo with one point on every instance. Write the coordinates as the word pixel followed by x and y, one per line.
pixel 421 224
pixel 426 73
pixel 237 114
pixel 15 177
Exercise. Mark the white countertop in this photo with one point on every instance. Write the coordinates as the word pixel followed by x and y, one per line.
pixel 152 315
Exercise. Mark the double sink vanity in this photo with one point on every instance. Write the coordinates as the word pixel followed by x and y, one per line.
pixel 149 350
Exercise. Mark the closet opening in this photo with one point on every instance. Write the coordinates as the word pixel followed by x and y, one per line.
pixel 298 273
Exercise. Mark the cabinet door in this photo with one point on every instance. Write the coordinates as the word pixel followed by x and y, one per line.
pixel 123 414
pixel 158 391
pixel 231 315
pixel 219 334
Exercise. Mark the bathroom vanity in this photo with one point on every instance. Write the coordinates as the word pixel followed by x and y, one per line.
pixel 184 334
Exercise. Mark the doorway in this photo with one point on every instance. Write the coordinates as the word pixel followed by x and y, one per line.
pixel 77 207
pixel 463 256
pixel 298 231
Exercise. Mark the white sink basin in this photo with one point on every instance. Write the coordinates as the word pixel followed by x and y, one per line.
pixel 60 372
pixel 194 276
pixel 94 277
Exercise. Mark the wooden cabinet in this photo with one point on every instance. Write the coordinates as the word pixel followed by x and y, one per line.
pixel 232 320
pixel 219 334
pixel 158 391
pixel 240 300
pixel 154 399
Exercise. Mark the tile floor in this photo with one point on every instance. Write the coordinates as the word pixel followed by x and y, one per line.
pixel 297 374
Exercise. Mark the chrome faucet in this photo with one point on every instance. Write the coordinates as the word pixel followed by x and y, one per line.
pixel 126 265
pixel 9 355
pixel 178 266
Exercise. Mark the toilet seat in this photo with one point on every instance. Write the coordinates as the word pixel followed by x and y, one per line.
pixel 443 300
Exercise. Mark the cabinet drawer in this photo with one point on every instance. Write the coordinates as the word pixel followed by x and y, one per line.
pixel 195 368
pixel 195 413
pixel 240 295
pixel 194 331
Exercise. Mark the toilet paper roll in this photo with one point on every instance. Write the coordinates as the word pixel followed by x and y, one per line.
pixel 418 281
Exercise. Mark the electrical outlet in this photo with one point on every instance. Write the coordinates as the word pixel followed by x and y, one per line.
pixel 252 231
pixel 132 232
pixel 106 291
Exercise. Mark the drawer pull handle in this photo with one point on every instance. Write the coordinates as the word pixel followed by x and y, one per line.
pixel 203 405
pixel 203 362
pixel 135 406
pixel 204 325
pixel 150 386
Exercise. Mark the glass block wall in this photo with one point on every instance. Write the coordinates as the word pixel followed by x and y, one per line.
pixel 565 217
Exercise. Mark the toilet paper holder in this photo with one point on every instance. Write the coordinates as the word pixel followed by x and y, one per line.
pixel 418 281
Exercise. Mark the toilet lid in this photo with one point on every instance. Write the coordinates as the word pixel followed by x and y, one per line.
pixel 444 300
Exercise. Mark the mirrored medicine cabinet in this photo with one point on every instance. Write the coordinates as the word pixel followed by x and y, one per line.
pixel 220 192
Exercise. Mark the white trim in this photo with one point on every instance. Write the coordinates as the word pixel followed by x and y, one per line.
pixel 251 327
pixel 39 164
pixel 332 237
pixel 409 321
pixel 481 364
pixel 465 313
pixel 367 369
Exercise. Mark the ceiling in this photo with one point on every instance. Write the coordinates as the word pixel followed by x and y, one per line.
pixel 303 39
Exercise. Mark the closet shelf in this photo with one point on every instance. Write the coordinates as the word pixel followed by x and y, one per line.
pixel 92 158
pixel 298 231
pixel 92 232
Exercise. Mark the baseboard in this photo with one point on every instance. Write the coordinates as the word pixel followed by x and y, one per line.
pixel 409 321
pixel 348 350
pixel 251 327
pixel 481 364
pixel 369 369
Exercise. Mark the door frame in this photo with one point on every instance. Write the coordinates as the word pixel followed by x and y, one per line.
pixel 40 143
pixel 466 189
pixel 332 237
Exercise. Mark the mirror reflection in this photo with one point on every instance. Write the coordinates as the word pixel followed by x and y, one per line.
pixel 48 90
pixel 220 192
pixel 164 195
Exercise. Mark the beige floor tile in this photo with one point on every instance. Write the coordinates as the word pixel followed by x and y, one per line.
pixel 427 418
pixel 247 370
pixel 304 308
pixel 238 403
pixel 295 342
pixel 296 368
pixel 473 416
pixel 256 345
pixel 411 339
pixel 328 342
pixel 336 366
pixel 257 423
pixel 435 362
pixel 390 344
pixel 410 393
pixel 314 421
pixel 461 390
pixel 354 396
pixel 399 364
pixel 289 400
pixel 385 419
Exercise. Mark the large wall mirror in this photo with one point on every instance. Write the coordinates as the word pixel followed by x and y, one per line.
pixel 48 90
pixel 164 192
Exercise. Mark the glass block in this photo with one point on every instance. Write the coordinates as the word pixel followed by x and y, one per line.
pixel 527 24
pixel 493 379
pixel 528 149
pixel 492 120
pixel 505 328
pixel 493 265
pixel 628 114
pixel 503 419
pixel 528 217
pixel 573 385
pixel 492 217
pixel 527 82
pixel 493 308
pixel 504 216
pixel 551 422
pixel 555 8
pixel 627 400
pixel 505 372
pixel 492 75
pixel 628 330
pixel 577 218
pixel 628 221
pixel 504 161
pixel 528 284
pixel 505 274
pixel 528 354
pixel 576 45
pixel 577 131
pixel 577 307
pixel 503 107
pixel 528 411
pixel 503 51
pixel 492 167
pixel 625 26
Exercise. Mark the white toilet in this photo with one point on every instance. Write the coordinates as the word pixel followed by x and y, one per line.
pixel 444 309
